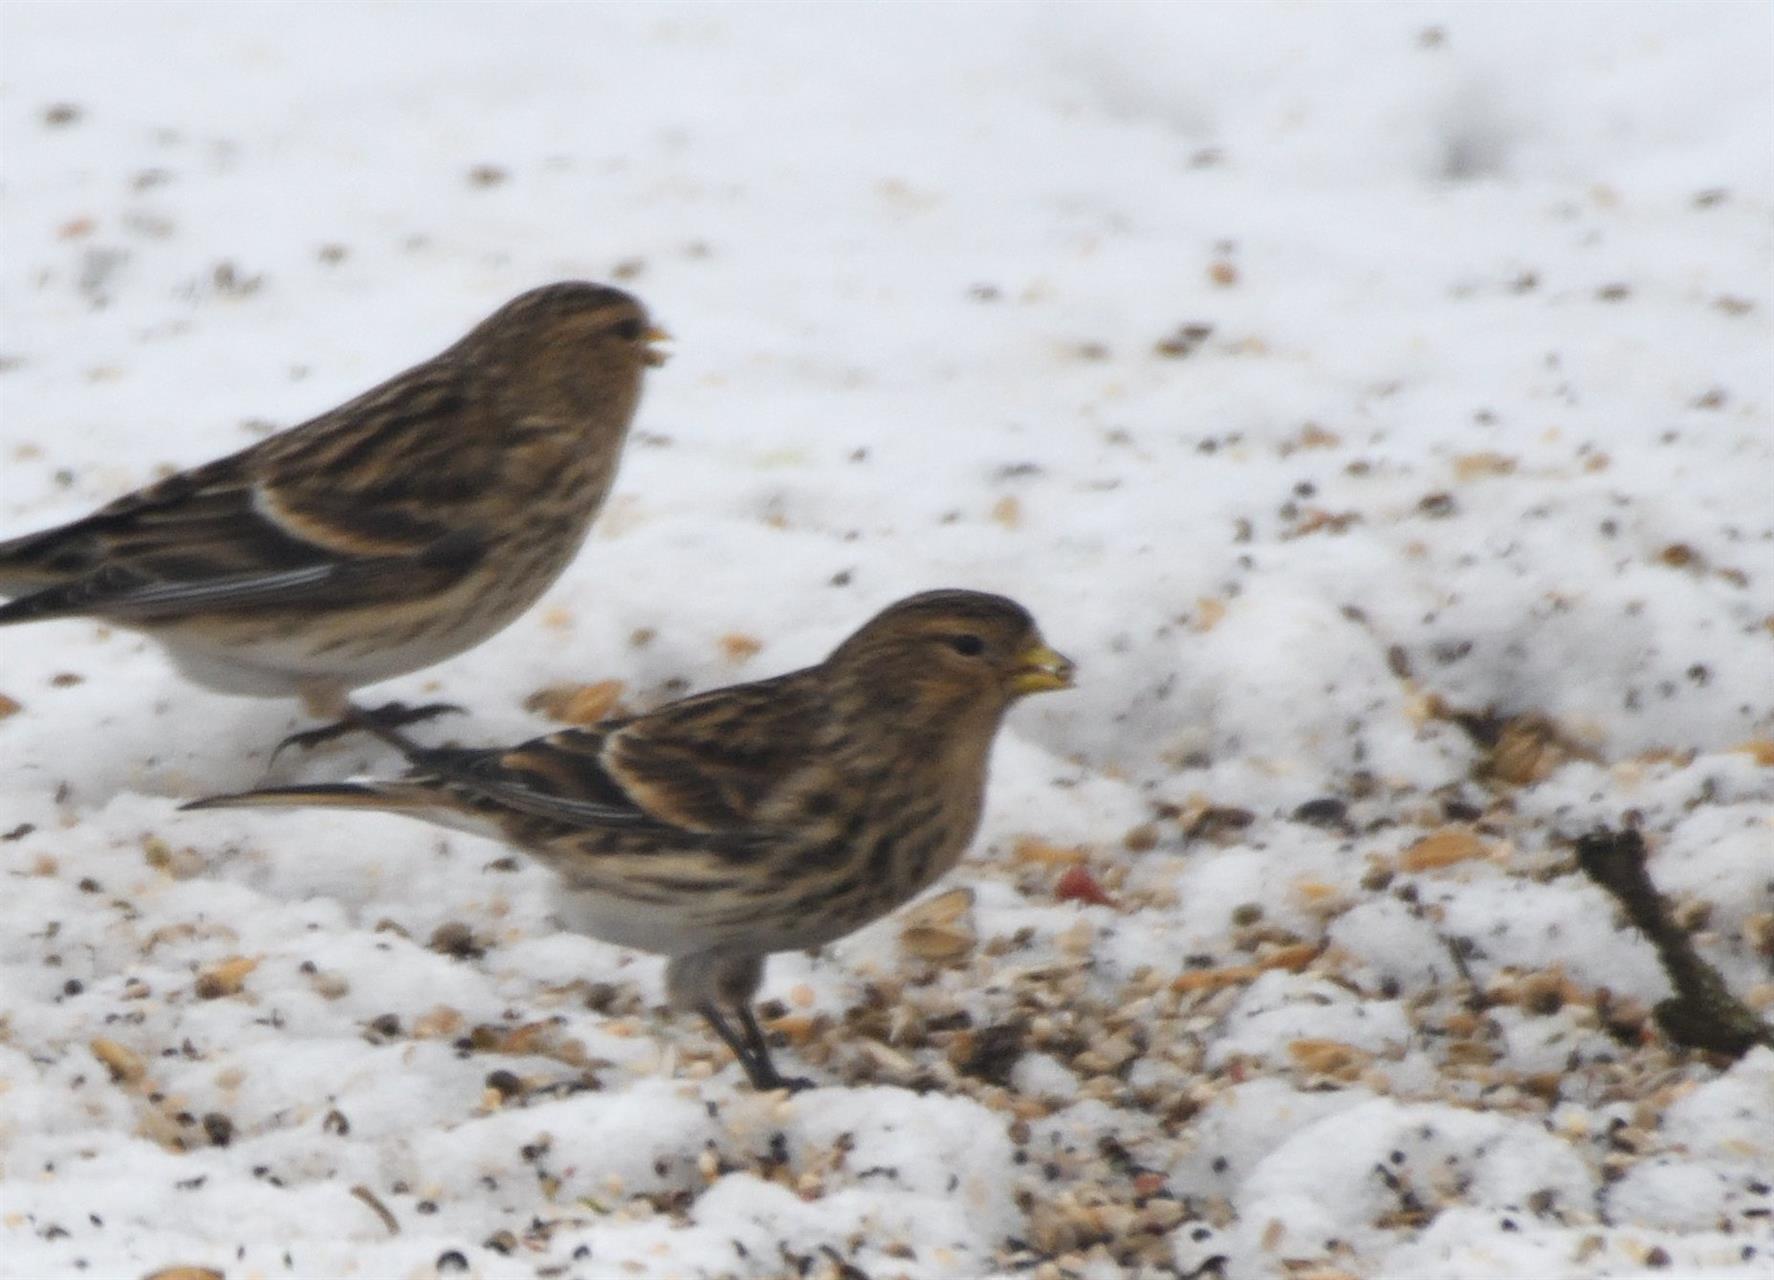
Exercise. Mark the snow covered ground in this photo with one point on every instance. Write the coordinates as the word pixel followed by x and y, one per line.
pixel 1324 377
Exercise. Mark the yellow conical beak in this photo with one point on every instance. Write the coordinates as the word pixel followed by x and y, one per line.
pixel 1039 669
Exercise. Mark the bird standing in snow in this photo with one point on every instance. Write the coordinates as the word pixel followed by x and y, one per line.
pixel 762 817
pixel 397 530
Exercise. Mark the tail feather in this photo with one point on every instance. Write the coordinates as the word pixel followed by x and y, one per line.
pixel 59 600
pixel 36 572
pixel 389 797
pixel 32 561
pixel 17 581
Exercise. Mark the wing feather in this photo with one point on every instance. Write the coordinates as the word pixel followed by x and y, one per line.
pixel 711 763
pixel 359 504
pixel 704 766
pixel 558 778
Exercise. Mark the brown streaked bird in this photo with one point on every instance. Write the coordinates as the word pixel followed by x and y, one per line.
pixel 761 817
pixel 392 532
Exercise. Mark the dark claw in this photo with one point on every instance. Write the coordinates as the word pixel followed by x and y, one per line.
pixel 383 720
pixel 753 1051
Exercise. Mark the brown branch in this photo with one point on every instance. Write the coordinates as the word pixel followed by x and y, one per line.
pixel 1702 1014
pixel 374 1202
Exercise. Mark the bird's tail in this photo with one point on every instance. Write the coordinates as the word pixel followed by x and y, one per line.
pixel 43 603
pixel 41 574
pixel 29 561
pixel 387 797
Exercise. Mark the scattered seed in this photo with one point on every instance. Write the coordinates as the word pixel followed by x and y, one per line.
pixel 125 1064
pixel 226 978
pixel 375 1205
pixel 453 938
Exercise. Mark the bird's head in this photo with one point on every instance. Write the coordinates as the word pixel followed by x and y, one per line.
pixel 946 654
pixel 574 345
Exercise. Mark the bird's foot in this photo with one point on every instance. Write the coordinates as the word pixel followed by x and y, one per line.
pixel 384 721
pixel 753 1051
pixel 793 1084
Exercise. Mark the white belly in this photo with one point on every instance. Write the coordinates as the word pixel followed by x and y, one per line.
pixel 272 665
pixel 224 672
pixel 626 923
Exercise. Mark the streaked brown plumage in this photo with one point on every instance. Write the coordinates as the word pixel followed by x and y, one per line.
pixel 756 818
pixel 400 528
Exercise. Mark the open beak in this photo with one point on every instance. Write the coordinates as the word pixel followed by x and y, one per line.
pixel 1039 669
pixel 654 356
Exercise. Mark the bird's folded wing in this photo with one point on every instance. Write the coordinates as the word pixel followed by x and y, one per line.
pixel 558 778
pixel 375 500
pixel 373 476
pixel 703 765
pixel 711 763
pixel 213 539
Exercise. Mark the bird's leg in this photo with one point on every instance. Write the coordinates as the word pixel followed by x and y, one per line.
pixel 381 721
pixel 755 1041
pixel 755 1058
pixel 753 1050
pixel 707 983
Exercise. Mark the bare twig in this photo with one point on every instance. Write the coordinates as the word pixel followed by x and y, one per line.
pixel 374 1202
pixel 1702 1014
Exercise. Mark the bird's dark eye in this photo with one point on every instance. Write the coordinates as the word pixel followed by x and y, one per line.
pixel 968 646
pixel 628 330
